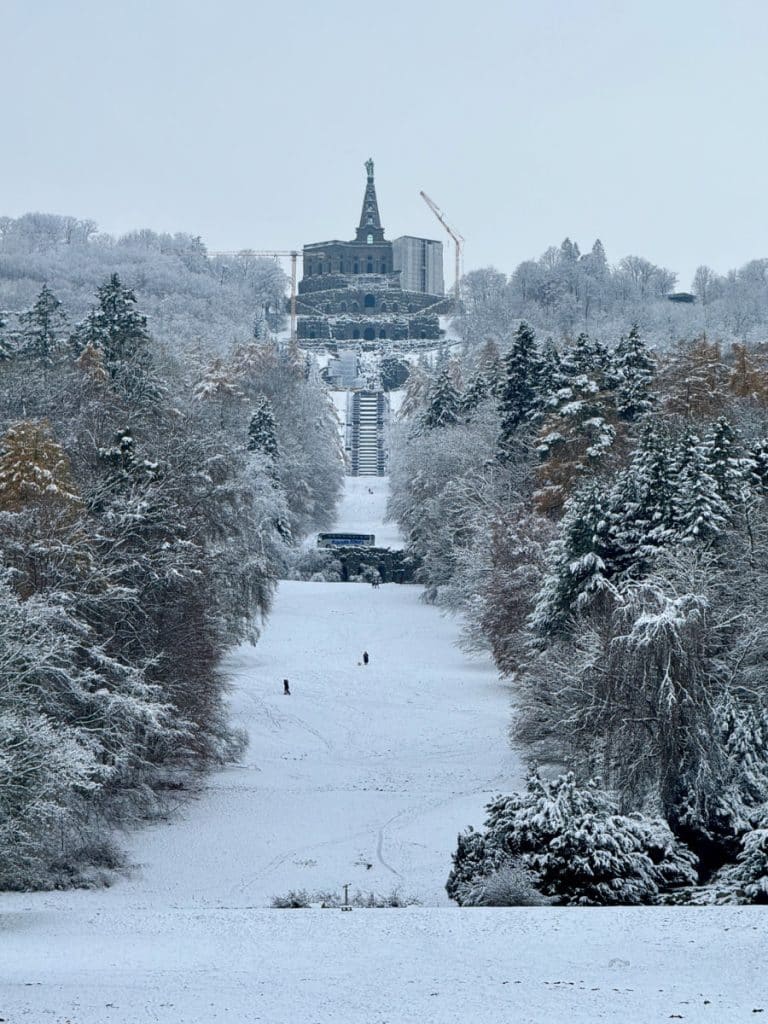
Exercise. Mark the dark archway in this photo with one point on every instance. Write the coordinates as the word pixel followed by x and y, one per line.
pixel 369 334
pixel 369 301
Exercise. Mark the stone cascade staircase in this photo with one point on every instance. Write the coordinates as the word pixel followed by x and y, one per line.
pixel 367 414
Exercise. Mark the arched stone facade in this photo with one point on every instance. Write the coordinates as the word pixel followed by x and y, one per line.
pixel 350 291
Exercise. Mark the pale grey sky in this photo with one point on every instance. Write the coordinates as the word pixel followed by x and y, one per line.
pixel 248 122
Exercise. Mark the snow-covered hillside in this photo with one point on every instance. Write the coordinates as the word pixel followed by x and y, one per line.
pixel 363 775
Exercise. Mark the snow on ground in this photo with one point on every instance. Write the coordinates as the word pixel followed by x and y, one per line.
pixel 362 511
pixel 364 775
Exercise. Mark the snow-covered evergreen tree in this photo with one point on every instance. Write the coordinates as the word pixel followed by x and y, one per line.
pixel 443 402
pixel 635 373
pixel 578 848
pixel 262 435
pixel 643 503
pixel 730 466
pixel 700 513
pixel 519 391
pixel 41 328
pixel 7 350
pixel 581 562
pixel 117 329
pixel 575 440
pixel 748 877
pixel 476 391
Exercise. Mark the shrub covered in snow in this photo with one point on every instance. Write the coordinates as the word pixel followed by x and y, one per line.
pixel 577 847
pixel 509 885
pixel 319 565
pixel 747 879
pixel 299 899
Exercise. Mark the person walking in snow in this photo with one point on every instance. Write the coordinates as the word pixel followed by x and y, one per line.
pixel 286 688
pixel 365 657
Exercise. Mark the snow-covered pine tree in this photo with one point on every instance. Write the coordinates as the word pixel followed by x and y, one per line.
pixel 643 510
pixel 41 328
pixel 476 391
pixel 519 391
pixel 119 330
pixel 700 513
pixel 442 408
pixel 635 373
pixel 758 457
pixel 587 356
pixel 126 469
pixel 262 434
pixel 693 381
pixel 7 349
pixel 580 562
pixel 743 731
pixel 749 876
pixel 576 439
pixel 489 364
pixel 728 463
pixel 577 846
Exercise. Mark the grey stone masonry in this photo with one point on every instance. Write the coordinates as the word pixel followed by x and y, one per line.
pixel 367 290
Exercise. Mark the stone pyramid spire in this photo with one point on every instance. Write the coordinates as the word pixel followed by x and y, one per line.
pixel 370 223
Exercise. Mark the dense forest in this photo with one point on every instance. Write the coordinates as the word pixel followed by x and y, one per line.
pixel 147 507
pixel 599 514
pixel 191 300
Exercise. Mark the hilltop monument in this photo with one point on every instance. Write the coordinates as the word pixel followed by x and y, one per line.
pixel 370 290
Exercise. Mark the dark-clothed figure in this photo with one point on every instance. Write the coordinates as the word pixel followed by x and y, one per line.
pixel 365 657
pixel 286 688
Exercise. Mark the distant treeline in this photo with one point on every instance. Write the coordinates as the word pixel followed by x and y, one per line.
pixel 565 292
pixel 189 298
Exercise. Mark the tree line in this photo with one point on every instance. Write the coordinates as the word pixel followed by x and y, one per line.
pixel 566 292
pixel 147 507
pixel 599 515
pixel 193 301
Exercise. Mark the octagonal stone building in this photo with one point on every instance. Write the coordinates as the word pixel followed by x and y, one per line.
pixel 370 291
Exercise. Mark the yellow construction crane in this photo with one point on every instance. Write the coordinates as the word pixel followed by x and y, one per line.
pixel 458 241
pixel 275 254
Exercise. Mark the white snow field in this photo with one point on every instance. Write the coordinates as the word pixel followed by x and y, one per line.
pixel 363 775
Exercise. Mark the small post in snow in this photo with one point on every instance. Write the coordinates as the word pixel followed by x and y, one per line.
pixel 345 905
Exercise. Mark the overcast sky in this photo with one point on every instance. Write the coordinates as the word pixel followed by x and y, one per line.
pixel 247 122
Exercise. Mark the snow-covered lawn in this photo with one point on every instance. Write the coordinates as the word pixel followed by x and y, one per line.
pixel 364 775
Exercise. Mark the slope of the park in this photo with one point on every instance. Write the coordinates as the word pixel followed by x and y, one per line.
pixel 363 775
